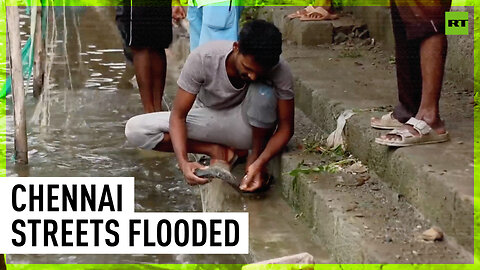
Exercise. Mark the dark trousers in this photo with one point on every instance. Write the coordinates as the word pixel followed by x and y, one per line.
pixel 411 26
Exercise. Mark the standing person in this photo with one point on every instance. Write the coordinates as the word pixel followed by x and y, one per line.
pixel 214 115
pixel 146 29
pixel 420 50
pixel 213 20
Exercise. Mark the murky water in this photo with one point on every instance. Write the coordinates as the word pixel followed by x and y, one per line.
pixel 77 128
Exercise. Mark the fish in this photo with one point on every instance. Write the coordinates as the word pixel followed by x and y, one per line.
pixel 218 172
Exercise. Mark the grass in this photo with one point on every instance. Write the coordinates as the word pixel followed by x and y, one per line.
pixel 331 160
pixel 350 53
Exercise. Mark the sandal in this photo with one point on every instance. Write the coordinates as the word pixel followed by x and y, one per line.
pixel 318 14
pixel 427 135
pixel 385 122
pixel 300 13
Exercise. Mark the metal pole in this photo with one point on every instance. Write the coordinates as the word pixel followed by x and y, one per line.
pixel 13 22
pixel 39 56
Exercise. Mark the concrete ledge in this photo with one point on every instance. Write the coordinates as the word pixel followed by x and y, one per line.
pixel 310 33
pixel 357 224
pixel 440 188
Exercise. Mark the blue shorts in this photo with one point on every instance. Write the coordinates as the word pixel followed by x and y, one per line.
pixel 208 23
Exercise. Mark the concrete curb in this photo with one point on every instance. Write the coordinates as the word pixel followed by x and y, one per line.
pixel 357 234
pixel 435 195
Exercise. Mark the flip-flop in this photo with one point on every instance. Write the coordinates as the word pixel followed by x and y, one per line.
pixel 427 135
pixel 385 122
pixel 301 12
pixel 318 14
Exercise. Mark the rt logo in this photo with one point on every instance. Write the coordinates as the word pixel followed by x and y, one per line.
pixel 456 23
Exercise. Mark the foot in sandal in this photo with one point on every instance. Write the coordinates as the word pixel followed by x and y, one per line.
pixel 318 14
pixel 415 132
pixel 387 121
pixel 301 12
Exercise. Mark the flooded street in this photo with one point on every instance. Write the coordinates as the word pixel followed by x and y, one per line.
pixel 363 203
pixel 77 127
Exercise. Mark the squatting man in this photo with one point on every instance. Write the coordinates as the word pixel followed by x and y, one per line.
pixel 232 97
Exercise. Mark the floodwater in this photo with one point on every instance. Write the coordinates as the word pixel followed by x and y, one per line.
pixel 77 126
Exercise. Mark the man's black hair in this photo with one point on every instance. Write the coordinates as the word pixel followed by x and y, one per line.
pixel 262 40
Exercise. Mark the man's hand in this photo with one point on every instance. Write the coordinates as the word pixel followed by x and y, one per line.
pixel 253 179
pixel 178 13
pixel 188 170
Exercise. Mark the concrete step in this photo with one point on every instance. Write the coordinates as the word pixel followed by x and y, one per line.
pixel 275 230
pixel 359 222
pixel 437 179
pixel 311 32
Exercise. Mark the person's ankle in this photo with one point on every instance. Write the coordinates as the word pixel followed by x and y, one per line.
pixel 433 120
pixel 217 153
pixel 430 119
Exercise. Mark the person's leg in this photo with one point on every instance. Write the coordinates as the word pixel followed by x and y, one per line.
pixel 260 111
pixel 407 61
pixel 220 22
pixel 409 79
pixel 142 62
pixel 432 57
pixel 433 53
pixel 216 152
pixel 211 132
pixel 159 73
pixel 194 16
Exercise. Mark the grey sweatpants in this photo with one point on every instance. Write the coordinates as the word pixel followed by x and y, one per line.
pixel 230 127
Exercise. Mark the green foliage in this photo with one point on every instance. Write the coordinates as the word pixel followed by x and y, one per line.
pixel 315 145
pixel 392 60
pixel 249 13
pixel 333 167
pixel 312 144
pixel 476 99
pixel 350 53
pixel 304 169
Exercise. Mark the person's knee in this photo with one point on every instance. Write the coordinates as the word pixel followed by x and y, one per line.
pixel 261 106
pixel 133 132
